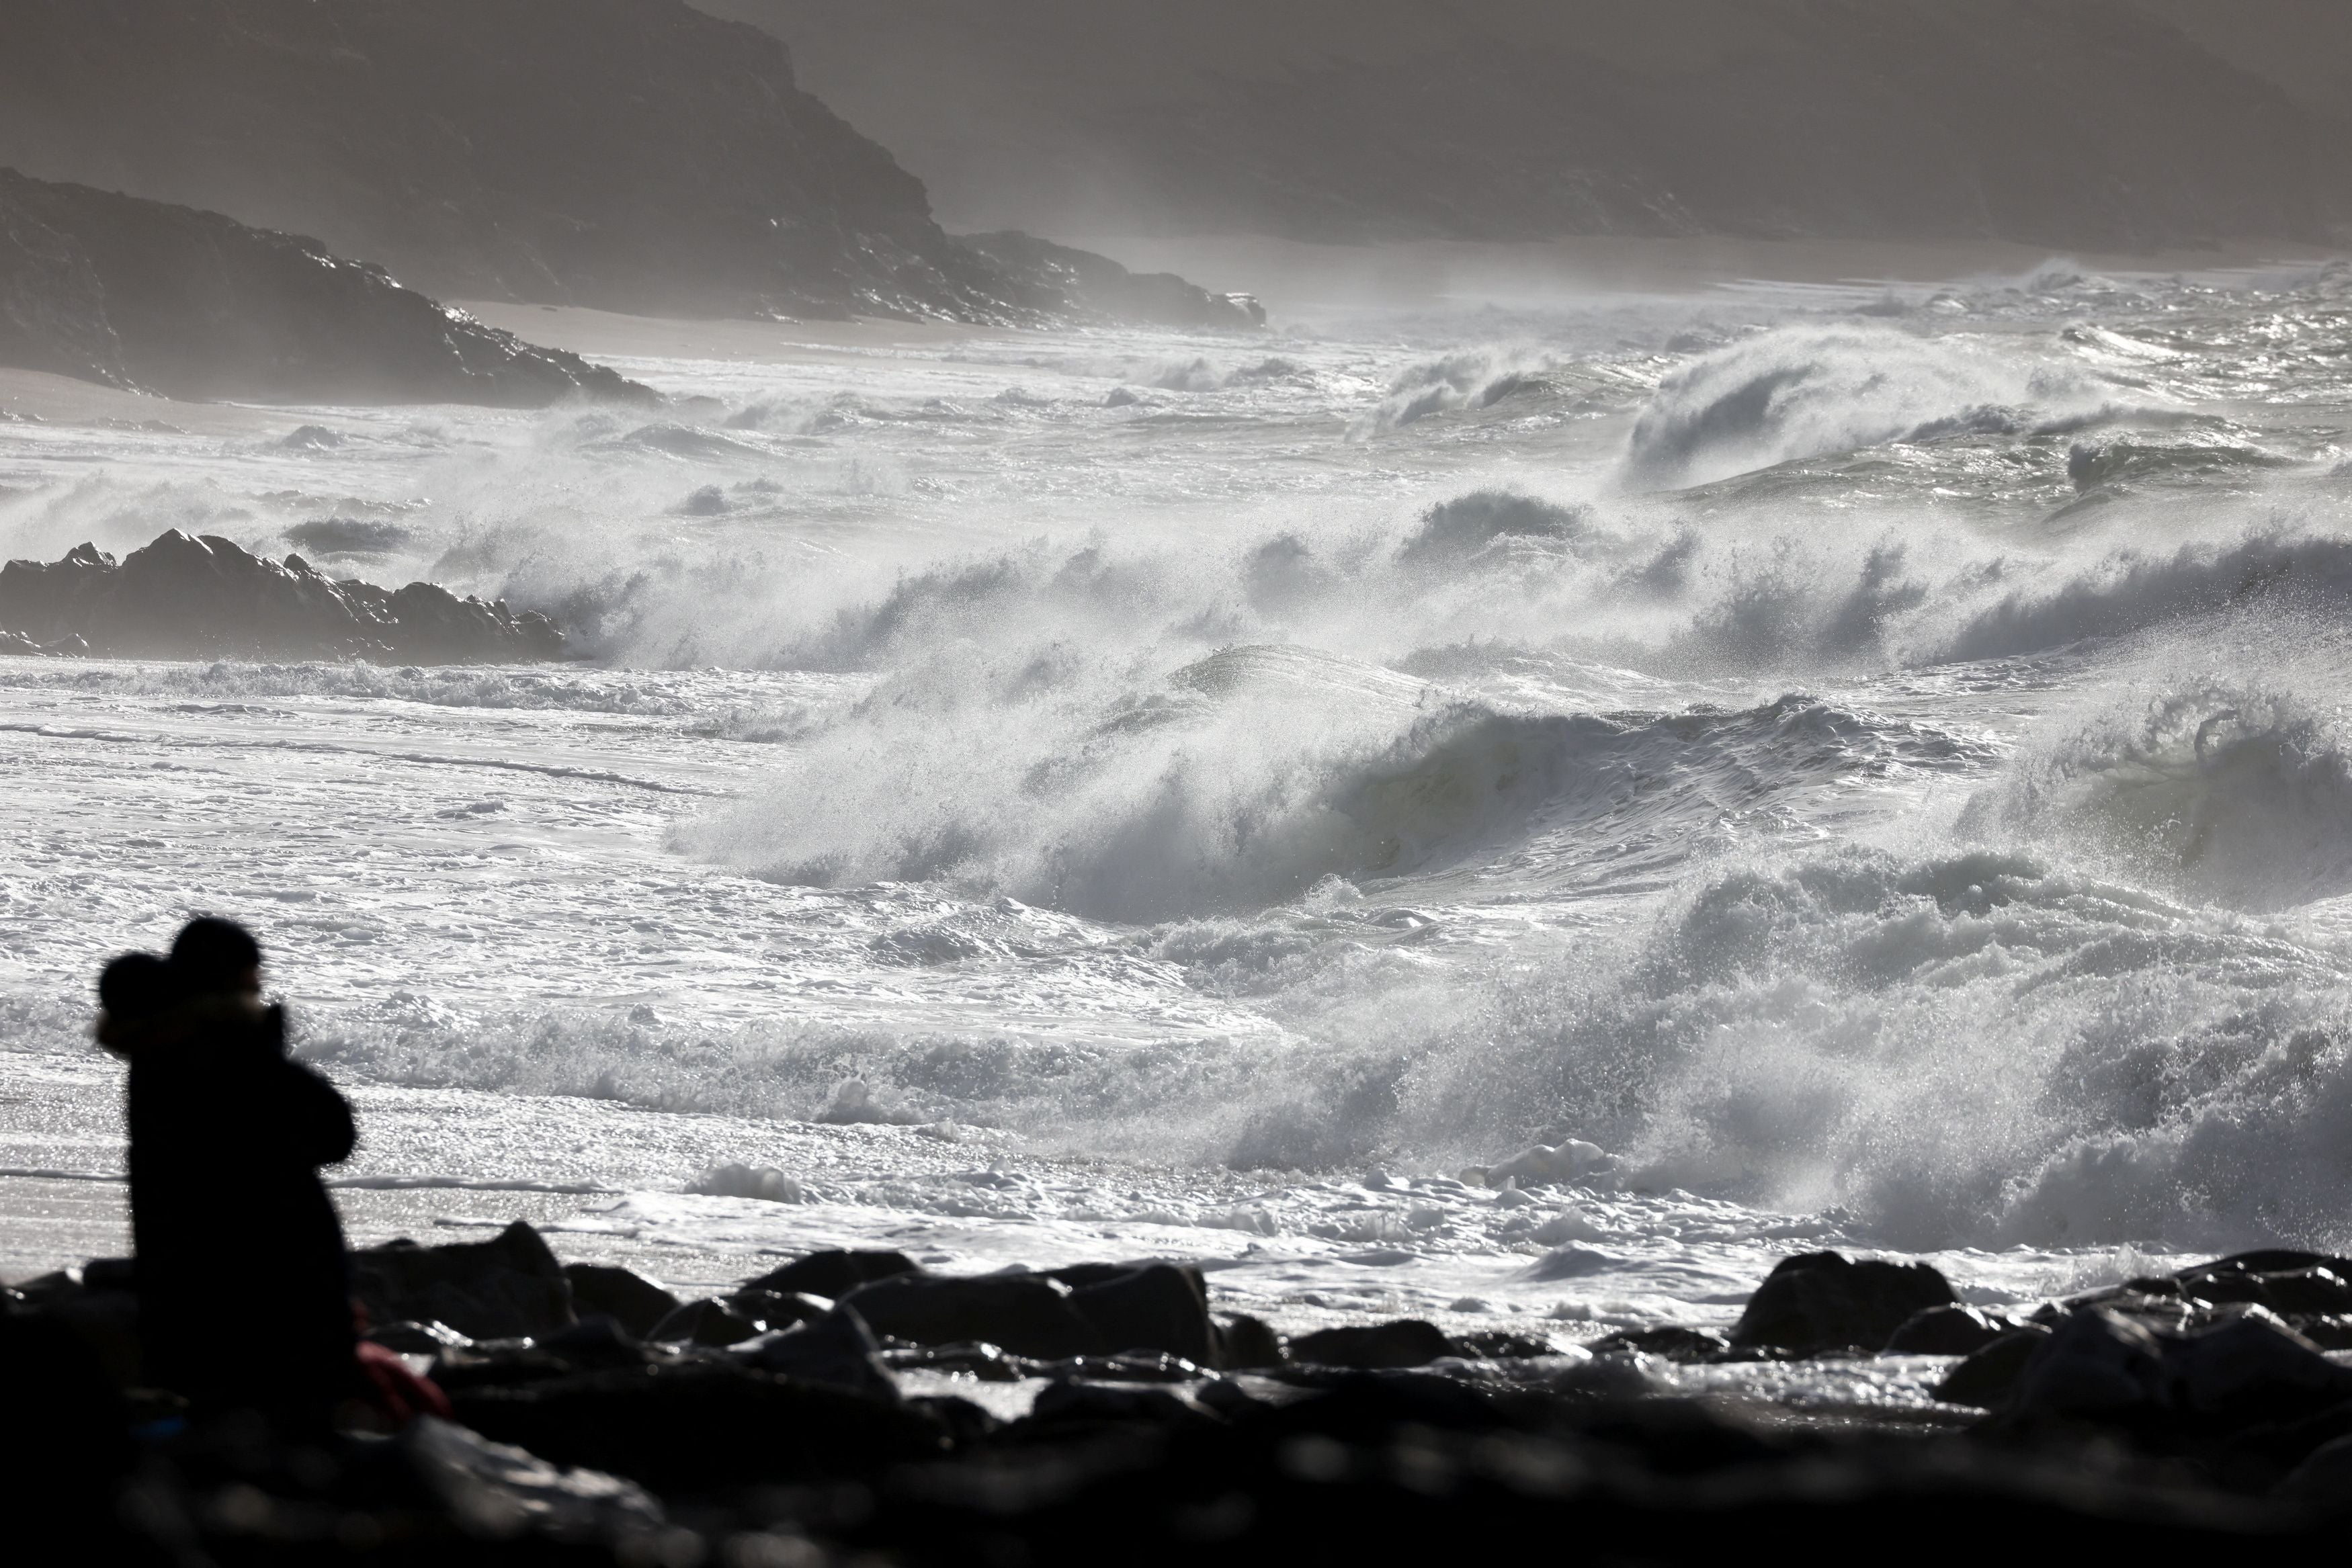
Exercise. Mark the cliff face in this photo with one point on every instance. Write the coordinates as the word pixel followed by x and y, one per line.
pixel 2093 123
pixel 631 155
pixel 138 294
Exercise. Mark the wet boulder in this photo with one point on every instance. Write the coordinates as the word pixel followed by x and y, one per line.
pixel 1159 1307
pixel 1076 1402
pixel 1403 1343
pixel 411 1338
pixel 1670 1341
pixel 771 1310
pixel 1028 1314
pixel 599 1345
pixel 837 1351
pixel 2316 1291
pixel 1501 1344
pixel 833 1274
pixel 1946 1331
pixel 702 1426
pixel 2251 1366
pixel 1243 1340
pixel 67 1434
pixel 509 1287
pixel 99 1307
pixel 2095 1364
pixel 705 1322
pixel 498 1493
pixel 1989 1376
pixel 628 1298
pixel 2324 1478
pixel 1820 1302
pixel 1091 1308
pixel 2331 1332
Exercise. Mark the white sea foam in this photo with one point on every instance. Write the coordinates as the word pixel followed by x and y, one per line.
pixel 1882 784
pixel 1802 391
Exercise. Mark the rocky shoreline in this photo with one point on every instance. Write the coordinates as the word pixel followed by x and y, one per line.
pixel 182 597
pixel 854 1404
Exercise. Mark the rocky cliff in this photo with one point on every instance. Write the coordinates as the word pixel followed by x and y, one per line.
pixel 2070 123
pixel 628 155
pixel 182 598
pixel 162 299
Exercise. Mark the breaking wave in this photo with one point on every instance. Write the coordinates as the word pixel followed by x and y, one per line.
pixel 1250 777
pixel 2132 589
pixel 2228 794
pixel 1971 1049
pixel 1806 391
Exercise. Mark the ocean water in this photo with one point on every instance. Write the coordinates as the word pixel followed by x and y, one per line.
pixel 1869 762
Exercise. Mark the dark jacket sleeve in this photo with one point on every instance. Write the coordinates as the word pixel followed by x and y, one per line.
pixel 305 1111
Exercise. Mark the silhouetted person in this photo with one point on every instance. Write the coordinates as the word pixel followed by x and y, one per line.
pixel 244 1293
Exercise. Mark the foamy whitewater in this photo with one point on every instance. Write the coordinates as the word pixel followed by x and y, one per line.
pixel 1871 762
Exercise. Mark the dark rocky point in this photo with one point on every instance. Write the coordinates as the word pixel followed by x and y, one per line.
pixel 152 298
pixel 182 597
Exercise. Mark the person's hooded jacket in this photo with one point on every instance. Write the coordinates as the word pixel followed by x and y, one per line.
pixel 244 1290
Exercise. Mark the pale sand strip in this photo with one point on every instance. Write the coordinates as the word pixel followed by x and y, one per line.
pixel 601 334
pixel 64 401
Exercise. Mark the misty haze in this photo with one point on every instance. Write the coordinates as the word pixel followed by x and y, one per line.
pixel 1058 777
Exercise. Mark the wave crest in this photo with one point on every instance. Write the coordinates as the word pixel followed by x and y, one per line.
pixel 1807 392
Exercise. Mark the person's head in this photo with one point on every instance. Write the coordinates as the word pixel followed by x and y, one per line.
pixel 216 957
pixel 136 987
pixel 135 990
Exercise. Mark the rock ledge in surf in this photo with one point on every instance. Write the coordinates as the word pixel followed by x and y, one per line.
pixel 182 597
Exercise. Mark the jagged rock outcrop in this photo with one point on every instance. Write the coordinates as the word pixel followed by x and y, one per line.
pixel 628 155
pixel 1065 281
pixel 137 294
pixel 183 597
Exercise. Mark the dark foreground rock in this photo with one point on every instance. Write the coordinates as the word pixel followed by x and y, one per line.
pixel 602 1290
pixel 141 295
pixel 508 1287
pixel 2129 1431
pixel 182 597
